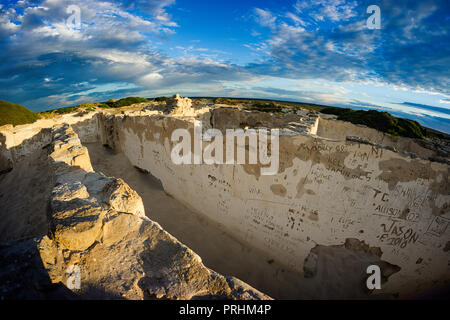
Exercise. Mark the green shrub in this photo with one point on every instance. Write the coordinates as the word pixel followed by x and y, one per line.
pixel 66 110
pixel 103 105
pixel 161 99
pixel 51 113
pixel 228 101
pixel 335 110
pixel 125 102
pixel 88 105
pixel 382 121
pixel 15 114
pixel 266 107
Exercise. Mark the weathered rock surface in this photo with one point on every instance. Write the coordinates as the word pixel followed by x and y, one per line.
pixel 97 226
pixel 391 196
pixel 179 105
pixel 175 106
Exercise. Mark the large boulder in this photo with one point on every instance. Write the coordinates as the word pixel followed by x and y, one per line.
pixel 178 105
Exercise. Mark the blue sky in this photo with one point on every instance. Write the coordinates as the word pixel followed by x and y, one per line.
pixel 313 51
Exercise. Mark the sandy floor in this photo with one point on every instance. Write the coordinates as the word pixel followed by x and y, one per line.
pixel 24 194
pixel 228 256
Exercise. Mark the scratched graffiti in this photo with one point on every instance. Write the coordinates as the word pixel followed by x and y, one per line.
pixel 396 234
pixel 218 183
pixel 438 226
pixel 416 198
pixel 341 195
pixel 223 206
pixel 254 191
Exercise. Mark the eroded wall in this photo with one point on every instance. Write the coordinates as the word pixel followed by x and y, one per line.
pixel 26 178
pixel 325 193
pixel 18 142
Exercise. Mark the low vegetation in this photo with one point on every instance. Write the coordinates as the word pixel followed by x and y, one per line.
pixel 382 121
pixel 88 106
pixel 122 102
pixel 161 99
pixel 15 114
pixel 265 105
pixel 92 106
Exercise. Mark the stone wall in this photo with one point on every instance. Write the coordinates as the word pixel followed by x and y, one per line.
pixel 17 142
pixel 326 193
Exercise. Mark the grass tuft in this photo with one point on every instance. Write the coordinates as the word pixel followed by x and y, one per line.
pixel 15 114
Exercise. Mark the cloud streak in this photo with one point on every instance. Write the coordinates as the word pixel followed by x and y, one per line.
pixel 329 40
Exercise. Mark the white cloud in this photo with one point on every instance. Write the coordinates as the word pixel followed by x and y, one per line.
pixel 296 19
pixel 150 79
pixel 265 17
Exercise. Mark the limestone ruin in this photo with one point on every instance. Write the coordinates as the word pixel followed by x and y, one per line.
pixel 98 190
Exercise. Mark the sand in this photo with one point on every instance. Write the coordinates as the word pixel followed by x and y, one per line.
pixel 24 194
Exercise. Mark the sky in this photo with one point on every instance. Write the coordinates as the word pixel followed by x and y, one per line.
pixel 56 53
